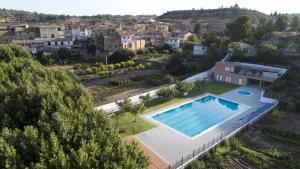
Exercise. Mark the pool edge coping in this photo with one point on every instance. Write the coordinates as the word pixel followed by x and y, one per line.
pixel 149 116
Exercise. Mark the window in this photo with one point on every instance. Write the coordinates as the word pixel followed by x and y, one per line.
pixel 217 77
pixel 221 77
pixel 49 43
pixel 227 69
pixel 62 43
pixel 52 35
pixel 232 69
pixel 55 43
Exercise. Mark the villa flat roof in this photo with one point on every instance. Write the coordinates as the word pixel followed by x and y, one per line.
pixel 262 68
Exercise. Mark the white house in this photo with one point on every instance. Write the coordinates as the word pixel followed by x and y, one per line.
pixel 199 50
pixel 61 42
pixel 80 33
pixel 173 41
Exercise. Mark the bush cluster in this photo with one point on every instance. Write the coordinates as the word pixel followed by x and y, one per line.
pixel 118 68
pixel 120 82
pixel 181 88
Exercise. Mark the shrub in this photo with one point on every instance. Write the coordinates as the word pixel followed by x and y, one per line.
pixel 166 93
pixel 77 66
pixel 117 66
pixel 122 55
pixel 148 65
pixel 120 82
pixel 130 63
pixel 277 114
pixel 183 87
pixel 111 67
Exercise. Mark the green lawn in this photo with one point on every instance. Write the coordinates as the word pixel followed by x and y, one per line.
pixel 127 120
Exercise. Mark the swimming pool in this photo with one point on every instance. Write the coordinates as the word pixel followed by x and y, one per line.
pixel 244 93
pixel 200 115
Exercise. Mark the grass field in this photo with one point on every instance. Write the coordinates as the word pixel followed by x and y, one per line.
pixel 126 121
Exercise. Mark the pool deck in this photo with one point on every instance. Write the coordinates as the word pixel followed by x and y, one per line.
pixel 171 146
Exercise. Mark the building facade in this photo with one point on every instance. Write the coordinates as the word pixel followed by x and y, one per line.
pixel 246 74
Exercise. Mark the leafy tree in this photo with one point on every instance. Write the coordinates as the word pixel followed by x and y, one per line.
pixel 197 28
pixel 183 87
pixel 47 120
pixel 194 38
pixel 124 106
pixel 45 58
pixel 176 66
pixel 265 26
pixel 240 29
pixel 145 98
pixel 295 25
pixel 63 54
pixel 268 53
pixel 281 23
pixel 136 109
pixel 122 55
pixel 167 47
pixel 166 93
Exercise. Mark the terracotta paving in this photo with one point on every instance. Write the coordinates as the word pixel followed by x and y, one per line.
pixel 155 161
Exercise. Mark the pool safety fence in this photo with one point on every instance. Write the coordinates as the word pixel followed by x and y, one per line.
pixel 233 129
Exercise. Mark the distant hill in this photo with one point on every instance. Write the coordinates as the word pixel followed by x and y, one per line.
pixel 225 14
pixel 31 17
pixel 34 17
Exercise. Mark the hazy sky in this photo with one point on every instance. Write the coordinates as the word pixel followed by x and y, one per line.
pixel 92 7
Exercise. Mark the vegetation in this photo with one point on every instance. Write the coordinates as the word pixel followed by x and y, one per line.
pixel 183 87
pixel 295 24
pixel 47 120
pixel 234 153
pixel 266 26
pixel 101 69
pixel 120 82
pixel 167 93
pixel 121 56
pixel 220 14
pixel 281 23
pixel 240 29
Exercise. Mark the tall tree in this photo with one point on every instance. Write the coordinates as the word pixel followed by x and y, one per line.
pixel 281 23
pixel 47 120
pixel 295 24
pixel 240 29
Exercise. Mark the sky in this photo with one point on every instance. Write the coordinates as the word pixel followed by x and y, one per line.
pixel 139 7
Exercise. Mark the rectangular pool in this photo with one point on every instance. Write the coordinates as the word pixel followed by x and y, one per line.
pixel 200 115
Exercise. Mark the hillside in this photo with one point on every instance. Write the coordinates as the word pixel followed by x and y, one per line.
pixel 208 14
pixel 34 17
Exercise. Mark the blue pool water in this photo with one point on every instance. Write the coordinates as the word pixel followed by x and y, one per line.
pixel 244 93
pixel 197 116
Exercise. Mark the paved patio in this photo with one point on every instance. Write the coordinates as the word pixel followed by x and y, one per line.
pixel 172 146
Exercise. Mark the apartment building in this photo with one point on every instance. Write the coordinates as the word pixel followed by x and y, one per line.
pixel 246 74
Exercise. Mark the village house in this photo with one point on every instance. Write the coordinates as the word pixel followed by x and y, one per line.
pixel 174 42
pixel 199 50
pixel 111 40
pixel 66 42
pixel 246 74
pixel 51 32
pixel 78 32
